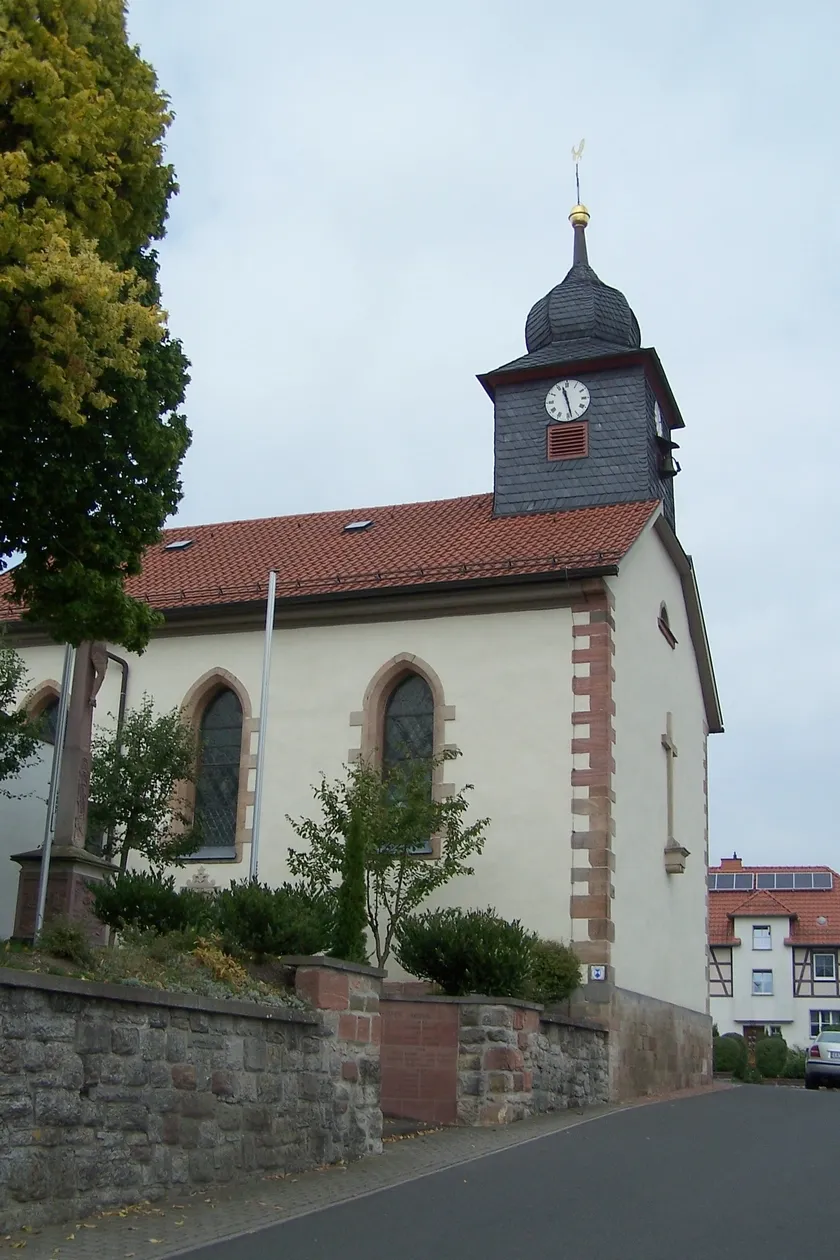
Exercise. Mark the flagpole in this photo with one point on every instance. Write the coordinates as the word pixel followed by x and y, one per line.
pixel 55 778
pixel 261 746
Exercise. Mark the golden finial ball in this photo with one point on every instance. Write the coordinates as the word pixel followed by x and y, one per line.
pixel 579 216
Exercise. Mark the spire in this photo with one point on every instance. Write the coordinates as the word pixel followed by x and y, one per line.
pixel 579 219
pixel 580 215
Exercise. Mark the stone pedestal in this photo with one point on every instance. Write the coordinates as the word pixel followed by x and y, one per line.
pixel 67 892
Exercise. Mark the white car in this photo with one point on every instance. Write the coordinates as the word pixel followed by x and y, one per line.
pixel 822 1067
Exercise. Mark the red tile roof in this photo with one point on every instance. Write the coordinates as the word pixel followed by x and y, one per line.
pixel 409 544
pixel 804 907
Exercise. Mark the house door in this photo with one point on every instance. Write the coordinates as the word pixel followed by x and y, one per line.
pixel 752 1032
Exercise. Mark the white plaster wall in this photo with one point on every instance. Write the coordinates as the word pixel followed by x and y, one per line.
pixel 22 820
pixel 660 919
pixel 507 674
pixel 792 1014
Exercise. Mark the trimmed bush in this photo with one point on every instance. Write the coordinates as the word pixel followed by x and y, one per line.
pixel 729 1053
pixel 794 1069
pixel 467 951
pixel 555 972
pixel 148 902
pixel 771 1055
pixel 256 919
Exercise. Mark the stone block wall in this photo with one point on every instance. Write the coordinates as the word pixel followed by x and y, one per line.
pixel 110 1095
pixel 655 1047
pixel 570 1064
pixel 472 1061
pixel 420 1060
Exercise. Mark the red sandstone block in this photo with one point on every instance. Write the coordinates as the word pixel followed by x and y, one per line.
pixel 402 1084
pixel 326 990
pixel 363 1027
pixel 350 1071
pixel 438 1084
pixel 347 1027
pixel 502 1059
pixel 376 1029
pixel 532 1021
pixel 527 1081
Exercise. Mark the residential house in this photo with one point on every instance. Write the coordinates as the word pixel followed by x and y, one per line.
pixel 774 935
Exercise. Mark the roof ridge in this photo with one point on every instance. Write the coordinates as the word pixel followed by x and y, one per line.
pixel 393 507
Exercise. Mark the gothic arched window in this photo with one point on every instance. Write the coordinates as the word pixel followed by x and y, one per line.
pixel 48 721
pixel 217 784
pixel 409 728
pixel 408 735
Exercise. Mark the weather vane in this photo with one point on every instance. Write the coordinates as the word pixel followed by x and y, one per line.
pixel 577 154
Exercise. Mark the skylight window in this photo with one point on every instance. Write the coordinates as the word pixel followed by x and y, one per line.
pixel 356 527
pixel 179 544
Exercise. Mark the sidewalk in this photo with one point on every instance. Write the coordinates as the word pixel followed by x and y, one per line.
pixel 179 1223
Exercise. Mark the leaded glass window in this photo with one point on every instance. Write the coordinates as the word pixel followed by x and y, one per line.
pixel 409 723
pixel 409 731
pixel 217 786
pixel 48 721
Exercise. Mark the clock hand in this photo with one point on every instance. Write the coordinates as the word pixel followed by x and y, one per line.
pixel 568 404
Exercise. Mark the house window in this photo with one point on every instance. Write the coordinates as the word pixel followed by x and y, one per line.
pixel 217 784
pixel 761 938
pixel 821 1020
pixel 825 966
pixel 762 983
pixel 408 735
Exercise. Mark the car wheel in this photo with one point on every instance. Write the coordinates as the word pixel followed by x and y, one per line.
pixel 811 1082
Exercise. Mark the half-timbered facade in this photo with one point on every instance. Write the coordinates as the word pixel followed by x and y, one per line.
pixel 774 939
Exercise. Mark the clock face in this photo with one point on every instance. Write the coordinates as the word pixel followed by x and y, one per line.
pixel 567 400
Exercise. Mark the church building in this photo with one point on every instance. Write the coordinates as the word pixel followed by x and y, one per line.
pixel 550 630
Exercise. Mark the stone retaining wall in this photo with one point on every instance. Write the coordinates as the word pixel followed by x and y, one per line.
pixel 655 1046
pixel 473 1061
pixel 111 1095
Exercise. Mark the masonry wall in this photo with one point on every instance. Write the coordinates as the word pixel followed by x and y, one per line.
pixel 654 1047
pixel 471 1061
pixel 110 1095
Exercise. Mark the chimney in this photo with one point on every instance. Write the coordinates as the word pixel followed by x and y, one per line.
pixel 731 864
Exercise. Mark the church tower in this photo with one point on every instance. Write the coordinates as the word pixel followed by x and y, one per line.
pixel 586 416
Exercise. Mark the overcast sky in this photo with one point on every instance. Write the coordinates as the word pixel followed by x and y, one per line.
pixel 374 194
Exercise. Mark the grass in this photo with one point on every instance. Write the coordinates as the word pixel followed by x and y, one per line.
pixel 178 962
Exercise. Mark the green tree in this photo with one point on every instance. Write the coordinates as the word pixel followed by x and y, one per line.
pixel 348 941
pixel 18 736
pixel 397 816
pixel 137 800
pixel 90 381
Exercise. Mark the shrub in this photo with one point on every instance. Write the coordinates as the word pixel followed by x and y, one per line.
pixel 64 938
pixel 794 1069
pixel 750 1076
pixel 148 901
pixel 466 951
pixel 730 1053
pixel 555 972
pixel 261 920
pixel 771 1055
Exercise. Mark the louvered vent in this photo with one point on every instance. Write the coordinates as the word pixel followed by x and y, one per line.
pixel 568 441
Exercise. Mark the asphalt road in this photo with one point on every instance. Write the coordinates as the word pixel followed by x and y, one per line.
pixel 751 1171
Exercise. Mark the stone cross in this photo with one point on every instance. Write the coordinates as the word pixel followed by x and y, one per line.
pixel 671 754
pixel 74 785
